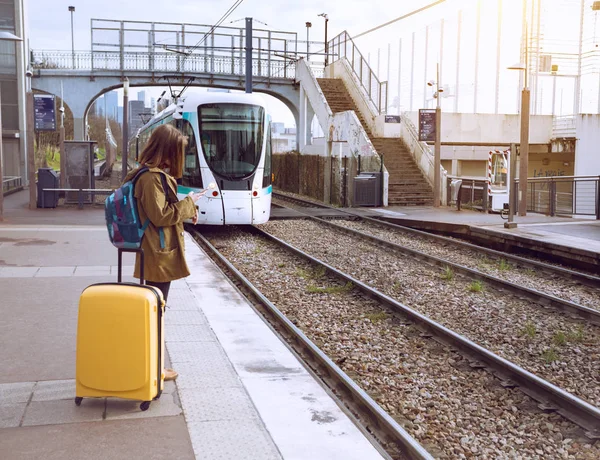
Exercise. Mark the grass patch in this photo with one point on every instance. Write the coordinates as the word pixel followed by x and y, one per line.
pixel 559 338
pixel 330 290
pixel 313 274
pixel 576 336
pixel 550 355
pixel 281 265
pixel 376 317
pixel 476 286
pixel 503 265
pixel 448 274
pixel 396 285
pixel 529 330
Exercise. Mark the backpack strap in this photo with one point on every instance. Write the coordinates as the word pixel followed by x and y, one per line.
pixel 141 171
pixel 161 232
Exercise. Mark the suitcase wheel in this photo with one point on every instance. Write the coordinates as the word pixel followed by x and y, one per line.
pixel 78 400
pixel 145 405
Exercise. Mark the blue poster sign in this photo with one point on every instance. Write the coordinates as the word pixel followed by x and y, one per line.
pixel 44 113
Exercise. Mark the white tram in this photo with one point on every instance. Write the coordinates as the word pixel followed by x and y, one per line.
pixel 228 153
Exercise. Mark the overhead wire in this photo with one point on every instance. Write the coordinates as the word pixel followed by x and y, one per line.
pixel 231 9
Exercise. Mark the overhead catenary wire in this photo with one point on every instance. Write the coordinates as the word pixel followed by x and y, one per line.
pixel 231 9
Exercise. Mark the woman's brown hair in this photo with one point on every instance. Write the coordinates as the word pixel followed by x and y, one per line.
pixel 165 148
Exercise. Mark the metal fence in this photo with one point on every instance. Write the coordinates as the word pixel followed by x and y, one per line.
pixel 161 62
pixel 564 195
pixel 342 46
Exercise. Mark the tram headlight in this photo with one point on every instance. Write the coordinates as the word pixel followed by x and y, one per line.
pixel 212 186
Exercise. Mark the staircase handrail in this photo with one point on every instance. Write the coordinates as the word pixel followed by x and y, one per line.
pixel 421 153
pixel 375 89
pixel 305 75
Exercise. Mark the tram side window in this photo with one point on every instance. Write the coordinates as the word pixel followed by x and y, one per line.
pixel 267 178
pixel 191 166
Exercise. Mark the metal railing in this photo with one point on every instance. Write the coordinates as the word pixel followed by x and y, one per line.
pixel 342 46
pixel 10 183
pixel 564 195
pixel 162 62
pixel 422 154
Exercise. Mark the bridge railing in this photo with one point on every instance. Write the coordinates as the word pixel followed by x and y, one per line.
pixel 267 67
pixel 343 46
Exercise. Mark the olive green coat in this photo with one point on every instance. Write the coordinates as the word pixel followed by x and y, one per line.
pixel 168 264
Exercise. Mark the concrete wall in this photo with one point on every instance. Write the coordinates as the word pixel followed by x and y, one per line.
pixel 587 158
pixel 490 128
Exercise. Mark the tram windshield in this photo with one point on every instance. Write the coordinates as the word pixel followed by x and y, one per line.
pixel 231 137
pixel 499 179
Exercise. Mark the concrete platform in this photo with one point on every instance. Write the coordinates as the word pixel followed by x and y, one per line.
pixel 241 394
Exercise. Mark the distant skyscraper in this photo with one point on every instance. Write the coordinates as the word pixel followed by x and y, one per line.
pixel 99 106
pixel 136 109
pixel 111 99
pixel 141 96
pixel 153 105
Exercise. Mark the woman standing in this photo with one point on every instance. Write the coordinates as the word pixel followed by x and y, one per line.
pixel 156 195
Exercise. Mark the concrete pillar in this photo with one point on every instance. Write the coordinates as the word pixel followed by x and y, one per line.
pixel 79 128
pixel 302 126
pixel 327 179
pixel 310 113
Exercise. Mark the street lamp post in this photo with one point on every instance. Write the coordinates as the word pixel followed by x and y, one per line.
pixel 308 26
pixel 438 139
pixel 125 128
pixel 524 135
pixel 72 10
pixel 324 15
pixel 4 36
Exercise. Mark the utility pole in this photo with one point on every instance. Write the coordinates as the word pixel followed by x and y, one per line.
pixel 308 26
pixel 248 55
pixel 324 15
pixel 63 158
pixel 438 143
pixel 72 10
pixel 125 127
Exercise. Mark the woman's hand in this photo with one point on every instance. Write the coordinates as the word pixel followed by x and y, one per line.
pixel 195 218
pixel 195 196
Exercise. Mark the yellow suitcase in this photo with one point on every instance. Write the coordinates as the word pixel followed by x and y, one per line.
pixel 120 341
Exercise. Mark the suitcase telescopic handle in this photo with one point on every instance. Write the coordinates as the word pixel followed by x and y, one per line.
pixel 139 251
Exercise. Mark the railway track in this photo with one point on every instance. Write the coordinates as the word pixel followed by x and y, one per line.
pixel 379 423
pixel 518 261
pixel 550 397
pixel 591 315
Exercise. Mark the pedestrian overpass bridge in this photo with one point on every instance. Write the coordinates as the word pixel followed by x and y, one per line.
pixel 85 76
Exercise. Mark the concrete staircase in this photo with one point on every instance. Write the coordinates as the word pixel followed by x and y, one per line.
pixel 407 186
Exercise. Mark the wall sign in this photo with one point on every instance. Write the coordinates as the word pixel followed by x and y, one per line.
pixel 427 125
pixel 392 118
pixel 44 112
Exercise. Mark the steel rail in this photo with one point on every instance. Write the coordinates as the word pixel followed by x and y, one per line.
pixel 382 423
pixel 541 298
pixel 583 278
pixel 550 397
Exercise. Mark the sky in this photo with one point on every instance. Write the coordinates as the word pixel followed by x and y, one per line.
pixel 50 22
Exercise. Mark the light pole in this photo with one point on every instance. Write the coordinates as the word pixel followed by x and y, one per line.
pixel 125 127
pixel 524 136
pixel 438 139
pixel 308 26
pixel 324 15
pixel 72 10
pixel 4 36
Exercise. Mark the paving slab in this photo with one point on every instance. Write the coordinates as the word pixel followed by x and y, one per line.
pixel 231 439
pixel 163 438
pixel 11 415
pixel 64 411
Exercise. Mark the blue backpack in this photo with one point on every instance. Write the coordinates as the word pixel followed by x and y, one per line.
pixel 122 217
